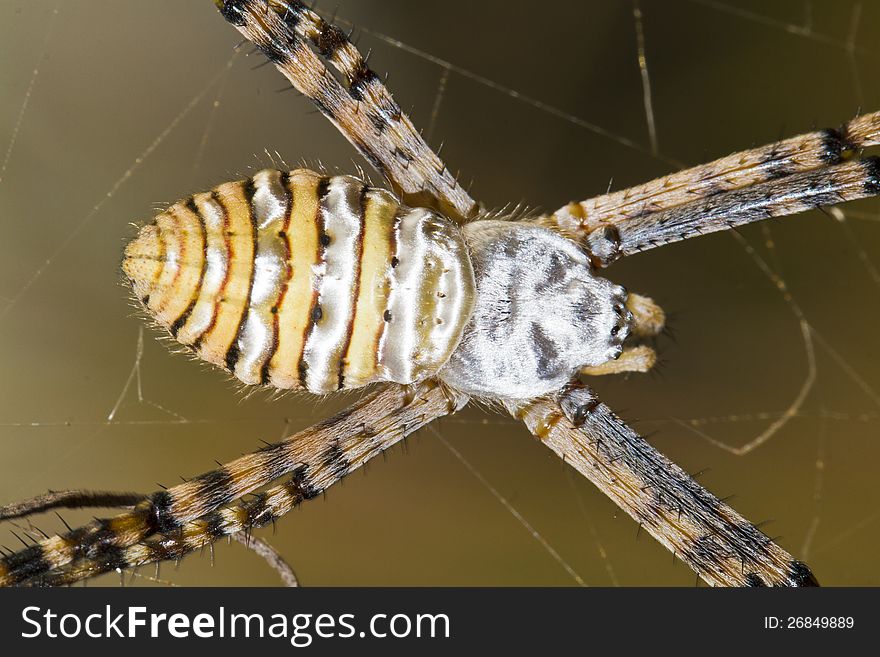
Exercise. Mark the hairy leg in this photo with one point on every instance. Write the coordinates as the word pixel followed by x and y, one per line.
pixel 790 195
pixel 721 546
pixel 107 499
pixel 361 108
pixel 314 459
pixel 233 520
pixel 69 499
pixel 648 317
pixel 640 358
pixel 776 161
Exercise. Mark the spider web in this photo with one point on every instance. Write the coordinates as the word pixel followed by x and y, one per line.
pixel 771 379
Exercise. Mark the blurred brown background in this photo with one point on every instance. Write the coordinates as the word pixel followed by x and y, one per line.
pixel 114 119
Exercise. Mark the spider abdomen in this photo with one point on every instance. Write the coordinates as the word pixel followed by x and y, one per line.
pixel 299 280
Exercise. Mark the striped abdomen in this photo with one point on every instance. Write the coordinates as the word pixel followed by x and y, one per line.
pixel 297 280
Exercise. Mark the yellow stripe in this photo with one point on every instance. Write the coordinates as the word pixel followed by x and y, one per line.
pixel 144 260
pixel 427 302
pixel 360 360
pixel 191 255
pixel 167 234
pixel 293 314
pixel 234 298
pixel 206 299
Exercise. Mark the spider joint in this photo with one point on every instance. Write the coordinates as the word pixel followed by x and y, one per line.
pixel 578 402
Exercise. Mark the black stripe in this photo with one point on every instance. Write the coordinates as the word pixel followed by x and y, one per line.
pixel 26 563
pixel 329 40
pixel 871 166
pixel 214 524
pixel 299 486
pixel 336 461
pixel 753 579
pixel 256 508
pixel 801 575
pixel 776 162
pixel 293 12
pixel 234 351
pixel 848 146
pixel 215 488
pixel 322 190
pixel 356 288
pixel 161 519
pixel 277 460
pixel 284 181
pixel 359 79
pixel 832 146
pixel 111 557
pixel 184 316
pixel 234 11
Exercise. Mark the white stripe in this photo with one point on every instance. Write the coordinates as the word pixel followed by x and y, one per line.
pixel 270 209
pixel 215 269
pixel 400 338
pixel 337 276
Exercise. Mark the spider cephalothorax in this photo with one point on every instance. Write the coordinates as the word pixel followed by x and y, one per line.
pixel 540 316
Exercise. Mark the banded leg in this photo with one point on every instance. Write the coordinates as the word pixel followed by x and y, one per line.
pixel 776 198
pixel 75 499
pixel 315 458
pixel 361 108
pixel 714 540
pixel 244 516
pixel 807 152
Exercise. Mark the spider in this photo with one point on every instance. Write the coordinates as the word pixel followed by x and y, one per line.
pixel 522 310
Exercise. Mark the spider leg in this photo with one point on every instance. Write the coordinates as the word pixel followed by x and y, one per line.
pixel 359 106
pixel 809 152
pixel 714 540
pixel 648 317
pixel 76 499
pixel 69 499
pixel 271 556
pixel 639 358
pixel 776 198
pixel 191 512
pixel 648 320
pixel 232 520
